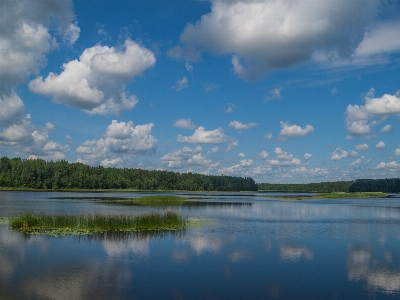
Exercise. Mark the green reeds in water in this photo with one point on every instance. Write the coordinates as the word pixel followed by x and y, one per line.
pixel 96 223
pixel 160 200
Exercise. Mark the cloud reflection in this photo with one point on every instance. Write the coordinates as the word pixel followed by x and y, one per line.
pixel 289 252
pixel 361 266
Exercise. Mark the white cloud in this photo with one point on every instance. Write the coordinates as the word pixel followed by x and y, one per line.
pixel 334 91
pixel 232 146
pixel 262 155
pixel 268 136
pixel 360 162
pixel 214 150
pixel 202 136
pixel 208 87
pixel 240 169
pixel 242 155
pixel 27 32
pixel 184 123
pixel 393 165
pixel 188 67
pixel 95 82
pixel 387 128
pixel 33 141
pixel 339 154
pixel 181 84
pixel 307 156
pixel 357 116
pixel 284 159
pixel 236 125
pixel 361 147
pixel 316 172
pixel 265 35
pixel 290 131
pixel 186 156
pixel 230 108
pixel 122 141
pixel 11 109
pixel 274 94
pixel 381 145
pixel 397 152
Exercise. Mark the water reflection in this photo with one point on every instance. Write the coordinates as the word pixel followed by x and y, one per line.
pixel 289 252
pixel 364 264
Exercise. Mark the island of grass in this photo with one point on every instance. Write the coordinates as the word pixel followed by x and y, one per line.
pixel 339 195
pixel 160 200
pixel 83 224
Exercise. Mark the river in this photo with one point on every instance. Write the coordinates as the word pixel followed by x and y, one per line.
pixel 246 246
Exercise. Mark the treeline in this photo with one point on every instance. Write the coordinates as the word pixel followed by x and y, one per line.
pixel 326 187
pixel 376 185
pixel 40 174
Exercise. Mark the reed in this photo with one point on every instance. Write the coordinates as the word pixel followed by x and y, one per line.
pixel 96 223
pixel 160 200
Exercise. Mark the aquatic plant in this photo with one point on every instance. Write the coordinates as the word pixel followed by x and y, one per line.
pixel 159 200
pixel 96 223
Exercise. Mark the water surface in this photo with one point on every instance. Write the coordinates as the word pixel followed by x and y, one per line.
pixel 260 249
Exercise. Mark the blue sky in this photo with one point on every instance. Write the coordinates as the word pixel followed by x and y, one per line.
pixel 282 91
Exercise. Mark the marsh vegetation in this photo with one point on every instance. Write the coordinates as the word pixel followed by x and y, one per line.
pixel 96 223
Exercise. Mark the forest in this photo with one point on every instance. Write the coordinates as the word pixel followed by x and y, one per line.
pixel 388 185
pixel 41 174
pixel 325 187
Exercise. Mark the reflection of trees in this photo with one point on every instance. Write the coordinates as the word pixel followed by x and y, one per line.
pixel 361 265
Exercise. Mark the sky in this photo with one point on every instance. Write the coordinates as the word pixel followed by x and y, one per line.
pixel 290 91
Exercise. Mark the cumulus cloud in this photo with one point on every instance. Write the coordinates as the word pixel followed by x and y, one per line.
pixel 283 159
pixel 361 147
pixel 339 154
pixel 262 155
pixel 358 116
pixel 393 165
pixel 181 84
pixel 316 172
pixel 273 94
pixel 27 32
pixel 11 109
pixel 230 108
pixel 33 141
pixel 184 123
pixel 264 35
pixel 122 141
pixel 289 131
pixel 202 136
pixel 236 125
pixel 95 82
pixel 186 156
pixel 387 128
pixel 397 152
pixel 360 162
pixel 240 169
pixel 268 136
pixel 381 145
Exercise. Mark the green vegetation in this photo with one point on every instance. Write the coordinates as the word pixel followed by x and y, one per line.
pixel 338 186
pixel 350 195
pixel 97 223
pixel 159 200
pixel 376 185
pixel 17 173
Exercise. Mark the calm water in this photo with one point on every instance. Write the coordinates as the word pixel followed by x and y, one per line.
pixel 261 249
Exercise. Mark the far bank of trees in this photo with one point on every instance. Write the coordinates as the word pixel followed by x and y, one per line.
pixel 388 185
pixel 326 187
pixel 40 174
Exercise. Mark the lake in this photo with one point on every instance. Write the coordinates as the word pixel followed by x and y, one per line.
pixel 245 246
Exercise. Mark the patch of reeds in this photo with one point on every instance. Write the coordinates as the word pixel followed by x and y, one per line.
pixel 351 195
pixel 159 200
pixel 96 223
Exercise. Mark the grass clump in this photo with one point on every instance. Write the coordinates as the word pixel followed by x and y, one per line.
pixel 96 223
pixel 351 195
pixel 160 200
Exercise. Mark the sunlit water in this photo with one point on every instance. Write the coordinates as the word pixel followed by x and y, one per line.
pixel 261 249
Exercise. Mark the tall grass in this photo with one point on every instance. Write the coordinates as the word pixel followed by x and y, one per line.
pixel 95 223
pixel 160 200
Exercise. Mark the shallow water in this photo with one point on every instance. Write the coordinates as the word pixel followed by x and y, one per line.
pixel 261 249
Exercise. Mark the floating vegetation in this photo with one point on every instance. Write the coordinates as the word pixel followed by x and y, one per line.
pixel 350 195
pixel 159 200
pixel 217 204
pixel 96 223
pixel 3 220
